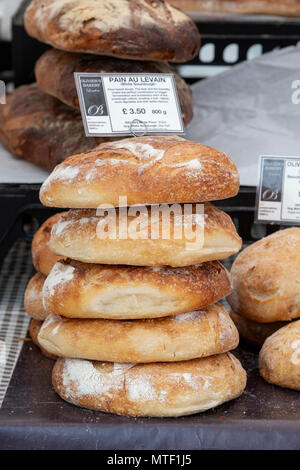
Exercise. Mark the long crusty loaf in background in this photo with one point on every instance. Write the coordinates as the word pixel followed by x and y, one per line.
pixel 175 338
pixel 133 29
pixel 237 7
pixel 279 358
pixel 152 169
pixel 266 278
pixel 42 130
pixel 159 389
pixel 85 290
pixel 81 235
pixel 55 69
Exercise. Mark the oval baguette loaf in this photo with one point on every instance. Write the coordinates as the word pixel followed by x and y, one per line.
pixel 55 69
pixel 43 258
pixel 78 235
pixel 266 278
pixel 279 358
pixel 39 128
pixel 85 290
pixel 253 332
pixel 159 389
pixel 147 170
pixel 133 29
pixel 33 298
pixel 34 328
pixel 176 338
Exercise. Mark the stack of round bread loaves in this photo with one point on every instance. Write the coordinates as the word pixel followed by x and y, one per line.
pixel 265 303
pixel 133 314
pixel 41 122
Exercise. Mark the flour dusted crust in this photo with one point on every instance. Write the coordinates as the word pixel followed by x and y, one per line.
pixel 55 69
pixel 43 258
pixel 176 338
pixel 279 358
pixel 34 328
pixel 77 235
pixel 85 290
pixel 39 128
pixel 235 7
pixel 147 170
pixel 253 332
pixel 157 389
pixel 266 278
pixel 33 299
pixel 132 29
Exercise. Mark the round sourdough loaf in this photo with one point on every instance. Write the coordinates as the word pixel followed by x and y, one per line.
pixel 43 258
pixel 145 170
pixel 159 389
pixel 81 235
pixel 34 328
pixel 133 29
pixel 253 332
pixel 39 128
pixel 33 299
pixel 55 69
pixel 266 278
pixel 86 290
pixel 175 338
pixel 279 358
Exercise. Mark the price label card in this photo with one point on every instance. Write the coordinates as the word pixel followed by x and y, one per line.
pixel 278 190
pixel 128 104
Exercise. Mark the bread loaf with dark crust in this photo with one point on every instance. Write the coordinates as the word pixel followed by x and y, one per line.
pixel 132 29
pixel 42 130
pixel 238 7
pixel 55 69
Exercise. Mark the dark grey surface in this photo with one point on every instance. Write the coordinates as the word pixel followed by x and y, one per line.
pixel 34 417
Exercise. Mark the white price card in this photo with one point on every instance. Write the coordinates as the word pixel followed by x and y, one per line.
pixel 278 190
pixel 128 104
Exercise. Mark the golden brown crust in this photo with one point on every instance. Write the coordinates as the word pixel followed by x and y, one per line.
pixel 43 258
pixel 78 235
pixel 159 389
pixel 279 358
pixel 175 338
pixel 34 328
pixel 266 278
pixel 253 332
pixel 85 290
pixel 132 29
pixel 237 7
pixel 41 129
pixel 33 298
pixel 55 69
pixel 147 170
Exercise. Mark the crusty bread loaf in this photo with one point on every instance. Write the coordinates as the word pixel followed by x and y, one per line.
pixel 159 389
pixel 147 170
pixel 279 358
pixel 133 29
pixel 55 69
pixel 85 290
pixel 34 328
pixel 33 298
pixel 266 278
pixel 234 7
pixel 41 129
pixel 78 235
pixel 176 338
pixel 43 258
pixel 253 332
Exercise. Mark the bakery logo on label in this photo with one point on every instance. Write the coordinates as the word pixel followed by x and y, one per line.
pixel 163 221
pixel 2 92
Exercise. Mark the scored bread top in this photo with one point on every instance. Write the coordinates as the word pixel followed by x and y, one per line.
pixel 133 29
pixel 147 170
